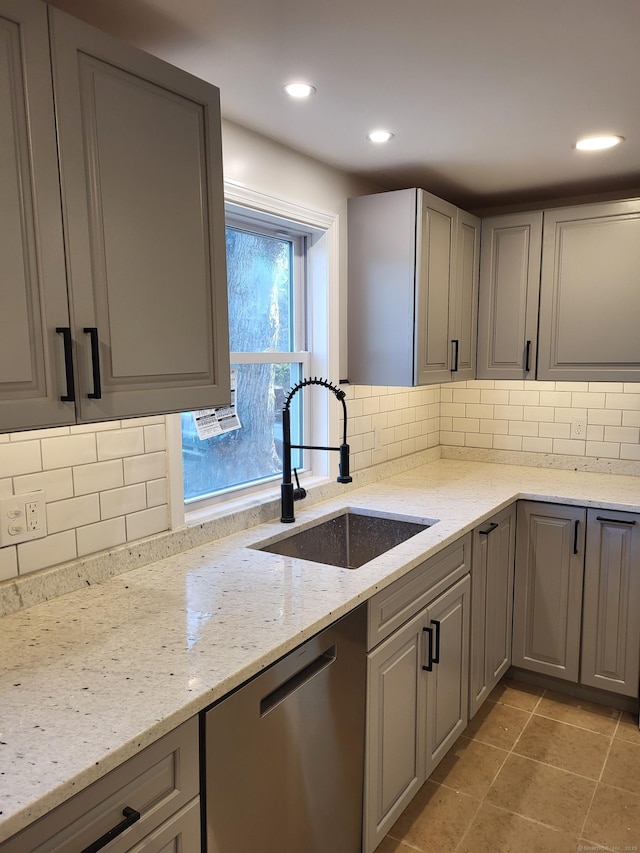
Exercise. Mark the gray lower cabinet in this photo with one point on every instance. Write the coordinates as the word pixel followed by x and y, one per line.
pixel 611 609
pixel 548 588
pixel 417 690
pixel 413 279
pixel 508 296
pixel 577 595
pixel 590 293
pixel 125 152
pixel 161 784
pixel 491 604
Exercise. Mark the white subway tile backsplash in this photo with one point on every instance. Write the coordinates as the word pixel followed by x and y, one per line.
pixel 20 458
pixel 496 396
pixel 147 522
pixel 623 401
pixel 57 483
pixel 524 398
pixel 118 443
pixel 569 447
pixel 508 413
pixel 630 419
pixel 73 512
pixel 555 398
pixel 478 440
pixel 507 442
pixel 588 400
pixel 155 438
pixel 606 417
pixel 122 501
pixel 8 563
pixel 529 428
pixel 41 553
pixel 628 435
pixel 68 450
pixel 533 444
pixel 98 477
pixel 37 434
pixel 6 488
pixel 151 466
pixel 630 451
pixel 100 536
pixel 604 449
pixel 555 430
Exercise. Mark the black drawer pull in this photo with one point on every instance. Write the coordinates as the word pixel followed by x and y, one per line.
pixel 95 362
pixel 493 526
pixel 70 396
pixel 429 666
pixel 630 521
pixel 575 536
pixel 436 656
pixel 130 817
pixel 527 358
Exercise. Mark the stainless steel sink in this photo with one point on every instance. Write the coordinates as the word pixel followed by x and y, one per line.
pixel 348 539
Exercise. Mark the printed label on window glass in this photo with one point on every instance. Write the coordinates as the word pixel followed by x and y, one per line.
pixel 210 422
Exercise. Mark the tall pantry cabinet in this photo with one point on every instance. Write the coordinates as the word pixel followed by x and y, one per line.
pixel 110 160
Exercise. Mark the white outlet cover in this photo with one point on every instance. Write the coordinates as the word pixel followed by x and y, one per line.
pixel 14 525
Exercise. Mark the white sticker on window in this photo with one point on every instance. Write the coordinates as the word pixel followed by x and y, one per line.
pixel 210 422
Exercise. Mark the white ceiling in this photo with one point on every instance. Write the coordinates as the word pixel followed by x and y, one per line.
pixel 485 97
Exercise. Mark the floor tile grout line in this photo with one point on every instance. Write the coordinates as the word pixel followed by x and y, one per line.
pixel 599 779
pixel 506 758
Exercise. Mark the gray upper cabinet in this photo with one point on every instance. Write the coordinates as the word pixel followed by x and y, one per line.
pixel 413 272
pixel 590 293
pixel 508 299
pixel 34 288
pixel 140 189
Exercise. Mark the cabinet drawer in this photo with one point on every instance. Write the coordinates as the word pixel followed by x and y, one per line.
pixel 180 834
pixel 391 607
pixel 157 783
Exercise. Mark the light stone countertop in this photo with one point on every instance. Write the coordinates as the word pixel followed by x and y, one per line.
pixel 92 677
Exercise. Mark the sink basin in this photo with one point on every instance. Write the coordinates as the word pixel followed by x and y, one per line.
pixel 349 538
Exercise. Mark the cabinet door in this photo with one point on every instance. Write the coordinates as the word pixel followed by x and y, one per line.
pixel 464 298
pixel 508 297
pixel 611 614
pixel 548 588
pixel 382 259
pixel 395 729
pixel 141 170
pixel 590 293
pixel 34 290
pixel 491 605
pixel 448 682
pixel 435 266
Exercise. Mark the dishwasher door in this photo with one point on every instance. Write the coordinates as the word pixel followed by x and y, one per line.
pixel 284 754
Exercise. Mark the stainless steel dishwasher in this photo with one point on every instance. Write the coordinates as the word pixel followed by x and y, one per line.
pixel 284 753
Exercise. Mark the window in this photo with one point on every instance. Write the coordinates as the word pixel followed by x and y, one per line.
pixel 267 284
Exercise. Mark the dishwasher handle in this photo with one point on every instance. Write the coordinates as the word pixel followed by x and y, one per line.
pixel 297 680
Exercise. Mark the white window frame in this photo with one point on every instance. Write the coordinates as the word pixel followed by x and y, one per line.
pixel 320 358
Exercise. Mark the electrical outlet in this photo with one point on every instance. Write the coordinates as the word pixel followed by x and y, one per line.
pixel 578 428
pixel 22 518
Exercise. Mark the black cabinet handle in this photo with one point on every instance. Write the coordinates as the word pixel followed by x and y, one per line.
pixel 630 521
pixel 130 817
pixel 436 656
pixel 576 525
pixel 95 362
pixel 456 355
pixel 527 357
pixel 493 526
pixel 70 396
pixel 429 666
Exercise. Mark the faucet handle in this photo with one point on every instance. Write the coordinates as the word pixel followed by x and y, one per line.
pixel 299 492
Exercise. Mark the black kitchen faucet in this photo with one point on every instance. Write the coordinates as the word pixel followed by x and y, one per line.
pixel 288 492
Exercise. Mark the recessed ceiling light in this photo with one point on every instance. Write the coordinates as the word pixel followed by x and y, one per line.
pixel 597 143
pixel 379 136
pixel 299 90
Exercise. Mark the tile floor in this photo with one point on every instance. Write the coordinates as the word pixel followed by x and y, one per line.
pixel 534 772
